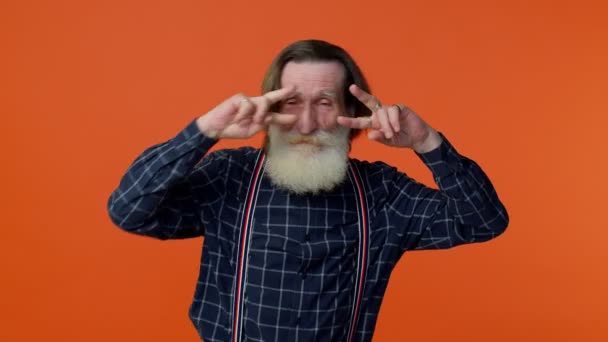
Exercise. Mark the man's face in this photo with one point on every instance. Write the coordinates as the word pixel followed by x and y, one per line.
pixel 318 99
pixel 311 155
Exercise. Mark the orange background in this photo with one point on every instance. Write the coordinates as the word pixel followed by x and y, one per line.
pixel 519 86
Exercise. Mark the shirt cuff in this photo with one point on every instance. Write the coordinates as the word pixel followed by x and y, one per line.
pixel 443 160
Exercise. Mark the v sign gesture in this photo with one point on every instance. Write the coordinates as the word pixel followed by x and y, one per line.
pixel 394 125
pixel 241 117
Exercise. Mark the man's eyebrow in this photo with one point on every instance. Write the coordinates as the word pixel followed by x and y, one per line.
pixel 328 93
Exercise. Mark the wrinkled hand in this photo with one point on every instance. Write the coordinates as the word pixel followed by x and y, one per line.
pixel 394 125
pixel 240 117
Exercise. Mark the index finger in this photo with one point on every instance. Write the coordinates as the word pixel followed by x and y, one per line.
pixel 279 94
pixel 366 98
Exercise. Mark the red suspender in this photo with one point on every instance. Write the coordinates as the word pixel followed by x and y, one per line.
pixel 241 264
pixel 246 227
pixel 363 250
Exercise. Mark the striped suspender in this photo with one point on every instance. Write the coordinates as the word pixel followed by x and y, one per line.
pixel 246 227
pixel 241 264
pixel 362 255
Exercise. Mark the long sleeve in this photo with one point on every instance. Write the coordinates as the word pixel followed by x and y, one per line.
pixel 155 197
pixel 465 209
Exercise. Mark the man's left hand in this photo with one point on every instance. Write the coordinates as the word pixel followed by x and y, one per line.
pixel 394 125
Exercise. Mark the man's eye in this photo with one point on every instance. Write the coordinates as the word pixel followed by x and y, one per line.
pixel 326 103
pixel 291 102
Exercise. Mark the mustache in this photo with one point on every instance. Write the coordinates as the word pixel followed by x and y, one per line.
pixel 317 139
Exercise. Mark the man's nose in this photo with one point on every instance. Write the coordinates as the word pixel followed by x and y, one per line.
pixel 307 121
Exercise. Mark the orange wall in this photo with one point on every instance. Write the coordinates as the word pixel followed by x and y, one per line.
pixel 520 86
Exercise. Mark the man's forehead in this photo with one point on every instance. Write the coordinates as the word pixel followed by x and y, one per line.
pixel 322 76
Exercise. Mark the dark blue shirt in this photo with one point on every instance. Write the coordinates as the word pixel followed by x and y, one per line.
pixel 299 283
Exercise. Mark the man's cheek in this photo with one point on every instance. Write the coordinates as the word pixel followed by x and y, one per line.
pixel 329 123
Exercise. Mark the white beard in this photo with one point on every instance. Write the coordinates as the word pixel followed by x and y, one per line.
pixel 307 168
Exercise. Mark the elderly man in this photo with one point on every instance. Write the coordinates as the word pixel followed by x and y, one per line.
pixel 300 239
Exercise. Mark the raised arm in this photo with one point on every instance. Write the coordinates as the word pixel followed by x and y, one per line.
pixel 155 196
pixel 165 192
pixel 465 208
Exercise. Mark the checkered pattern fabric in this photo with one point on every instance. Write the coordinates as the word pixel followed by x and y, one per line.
pixel 301 256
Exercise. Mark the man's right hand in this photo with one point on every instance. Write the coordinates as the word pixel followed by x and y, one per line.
pixel 240 117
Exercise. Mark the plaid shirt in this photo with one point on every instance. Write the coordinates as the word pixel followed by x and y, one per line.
pixel 299 282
